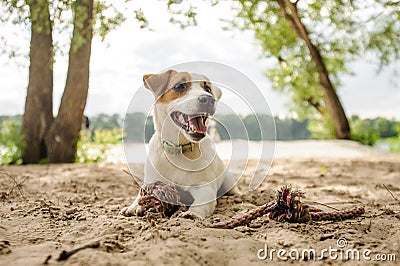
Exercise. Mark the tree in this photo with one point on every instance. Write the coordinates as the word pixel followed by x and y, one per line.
pixel 314 43
pixel 38 114
pixel 46 137
pixel 332 102
pixel 63 134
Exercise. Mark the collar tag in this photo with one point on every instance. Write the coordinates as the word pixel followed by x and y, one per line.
pixel 170 147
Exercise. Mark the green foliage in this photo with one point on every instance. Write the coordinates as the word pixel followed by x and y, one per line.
pixel 139 15
pixel 182 14
pixel 369 131
pixel 387 128
pixel 292 129
pixel 149 129
pixel 321 128
pixel 16 118
pixel 231 127
pixel 11 143
pixel 384 36
pixel 364 133
pixel 105 121
pixel 138 127
pixel 253 127
pixel 343 32
pixel 394 144
pixel 94 146
pixel 108 17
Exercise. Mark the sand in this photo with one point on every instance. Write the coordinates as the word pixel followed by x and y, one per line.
pixel 61 207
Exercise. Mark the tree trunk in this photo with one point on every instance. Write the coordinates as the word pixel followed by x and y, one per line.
pixel 333 104
pixel 38 113
pixel 64 132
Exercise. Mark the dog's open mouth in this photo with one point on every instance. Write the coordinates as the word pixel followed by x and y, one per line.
pixel 193 124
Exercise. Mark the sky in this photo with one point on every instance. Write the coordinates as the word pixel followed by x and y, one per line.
pixel 119 62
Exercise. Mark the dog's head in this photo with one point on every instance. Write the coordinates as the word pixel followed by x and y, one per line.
pixel 184 101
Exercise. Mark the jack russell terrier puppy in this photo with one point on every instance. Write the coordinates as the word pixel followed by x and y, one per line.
pixel 180 151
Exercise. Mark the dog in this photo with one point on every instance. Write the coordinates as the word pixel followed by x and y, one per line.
pixel 180 151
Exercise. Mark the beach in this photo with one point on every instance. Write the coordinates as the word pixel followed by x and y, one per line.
pixel 46 209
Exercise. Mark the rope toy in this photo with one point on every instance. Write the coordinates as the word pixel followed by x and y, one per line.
pixel 289 208
pixel 158 197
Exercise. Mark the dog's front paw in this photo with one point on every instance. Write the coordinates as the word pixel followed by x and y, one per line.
pixel 130 211
pixel 234 192
pixel 190 215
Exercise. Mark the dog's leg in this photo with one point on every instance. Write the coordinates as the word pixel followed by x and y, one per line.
pixel 204 203
pixel 203 211
pixel 234 191
pixel 229 185
pixel 150 176
pixel 132 209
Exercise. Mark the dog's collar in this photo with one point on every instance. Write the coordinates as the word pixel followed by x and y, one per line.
pixel 174 149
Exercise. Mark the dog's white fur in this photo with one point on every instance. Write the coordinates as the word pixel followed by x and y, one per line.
pixel 199 172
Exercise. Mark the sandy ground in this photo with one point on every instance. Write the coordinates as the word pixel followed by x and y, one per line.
pixel 61 207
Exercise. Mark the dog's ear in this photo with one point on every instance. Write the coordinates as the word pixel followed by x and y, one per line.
pixel 217 92
pixel 146 76
pixel 158 83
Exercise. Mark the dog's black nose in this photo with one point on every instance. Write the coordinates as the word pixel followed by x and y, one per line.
pixel 206 100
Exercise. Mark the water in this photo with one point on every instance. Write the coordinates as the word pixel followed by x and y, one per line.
pixel 227 150
pixel 265 150
pixel 382 145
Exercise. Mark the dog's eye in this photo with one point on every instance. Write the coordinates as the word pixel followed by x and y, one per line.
pixel 179 87
pixel 207 89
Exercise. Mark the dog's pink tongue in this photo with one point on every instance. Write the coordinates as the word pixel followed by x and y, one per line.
pixel 197 125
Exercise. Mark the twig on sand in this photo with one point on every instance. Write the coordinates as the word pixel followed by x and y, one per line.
pixel 127 172
pixel 326 205
pixel 135 178
pixel 66 254
pixel 391 193
pixel 16 184
pixel 369 227
pixel 343 202
pixel 46 261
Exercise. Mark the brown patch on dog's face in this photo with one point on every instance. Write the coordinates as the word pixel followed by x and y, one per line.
pixel 179 86
pixel 207 87
pixel 168 86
